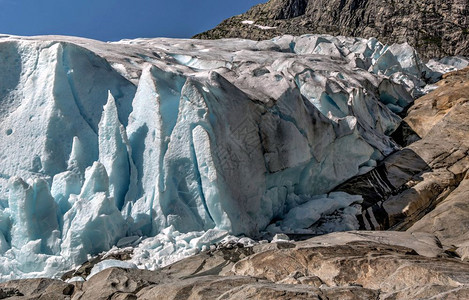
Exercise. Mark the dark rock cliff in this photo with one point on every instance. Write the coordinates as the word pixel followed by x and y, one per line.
pixel 435 28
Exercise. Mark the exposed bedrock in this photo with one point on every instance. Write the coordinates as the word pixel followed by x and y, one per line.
pixel 435 28
pixel 352 265
pixel 424 186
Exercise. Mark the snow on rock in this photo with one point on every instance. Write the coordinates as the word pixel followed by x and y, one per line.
pixel 165 248
pixel 248 22
pixel 186 142
pixel 106 264
pixel 280 237
pixel 264 27
pixel 305 215
pixel 448 64
pixel 210 237
pixel 171 245
pixel 75 279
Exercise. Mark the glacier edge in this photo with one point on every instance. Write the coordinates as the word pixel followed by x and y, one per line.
pixel 186 141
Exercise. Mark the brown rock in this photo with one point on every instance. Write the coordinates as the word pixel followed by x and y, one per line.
pixel 117 283
pixel 205 287
pixel 388 268
pixel 244 287
pixel 218 262
pixel 278 291
pixel 410 183
pixel 38 288
pixel 350 265
pixel 430 292
pixel 449 220
pixel 430 109
pixel 424 244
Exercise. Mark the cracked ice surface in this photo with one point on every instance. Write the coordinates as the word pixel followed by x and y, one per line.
pixel 184 141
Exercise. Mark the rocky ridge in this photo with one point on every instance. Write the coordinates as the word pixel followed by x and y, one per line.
pixel 352 265
pixel 416 187
pixel 435 28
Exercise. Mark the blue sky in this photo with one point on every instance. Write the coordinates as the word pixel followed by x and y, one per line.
pixel 110 20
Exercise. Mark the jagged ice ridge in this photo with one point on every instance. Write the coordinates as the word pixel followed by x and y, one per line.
pixel 185 141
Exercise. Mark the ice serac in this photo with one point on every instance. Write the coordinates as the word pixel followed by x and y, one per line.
pixel 63 186
pixel 77 160
pixel 182 199
pixel 209 178
pixel 5 225
pixel 185 141
pixel 34 215
pixel 51 85
pixel 214 164
pixel 115 154
pixel 154 115
pixel 93 223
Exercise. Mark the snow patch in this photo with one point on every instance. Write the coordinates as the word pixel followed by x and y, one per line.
pixel 109 263
pixel 265 27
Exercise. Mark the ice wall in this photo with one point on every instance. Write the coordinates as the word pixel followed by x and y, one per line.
pixel 142 137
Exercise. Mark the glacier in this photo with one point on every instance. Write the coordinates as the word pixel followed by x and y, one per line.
pixel 185 142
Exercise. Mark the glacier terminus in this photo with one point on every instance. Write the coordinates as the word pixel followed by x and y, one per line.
pixel 172 145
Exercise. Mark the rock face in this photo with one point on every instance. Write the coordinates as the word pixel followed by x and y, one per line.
pixel 435 28
pixel 40 288
pixel 449 220
pixel 424 187
pixel 443 114
pixel 352 265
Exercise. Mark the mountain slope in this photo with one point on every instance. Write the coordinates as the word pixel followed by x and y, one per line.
pixel 435 28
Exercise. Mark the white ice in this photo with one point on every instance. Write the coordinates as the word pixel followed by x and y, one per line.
pixel 109 263
pixel 185 142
